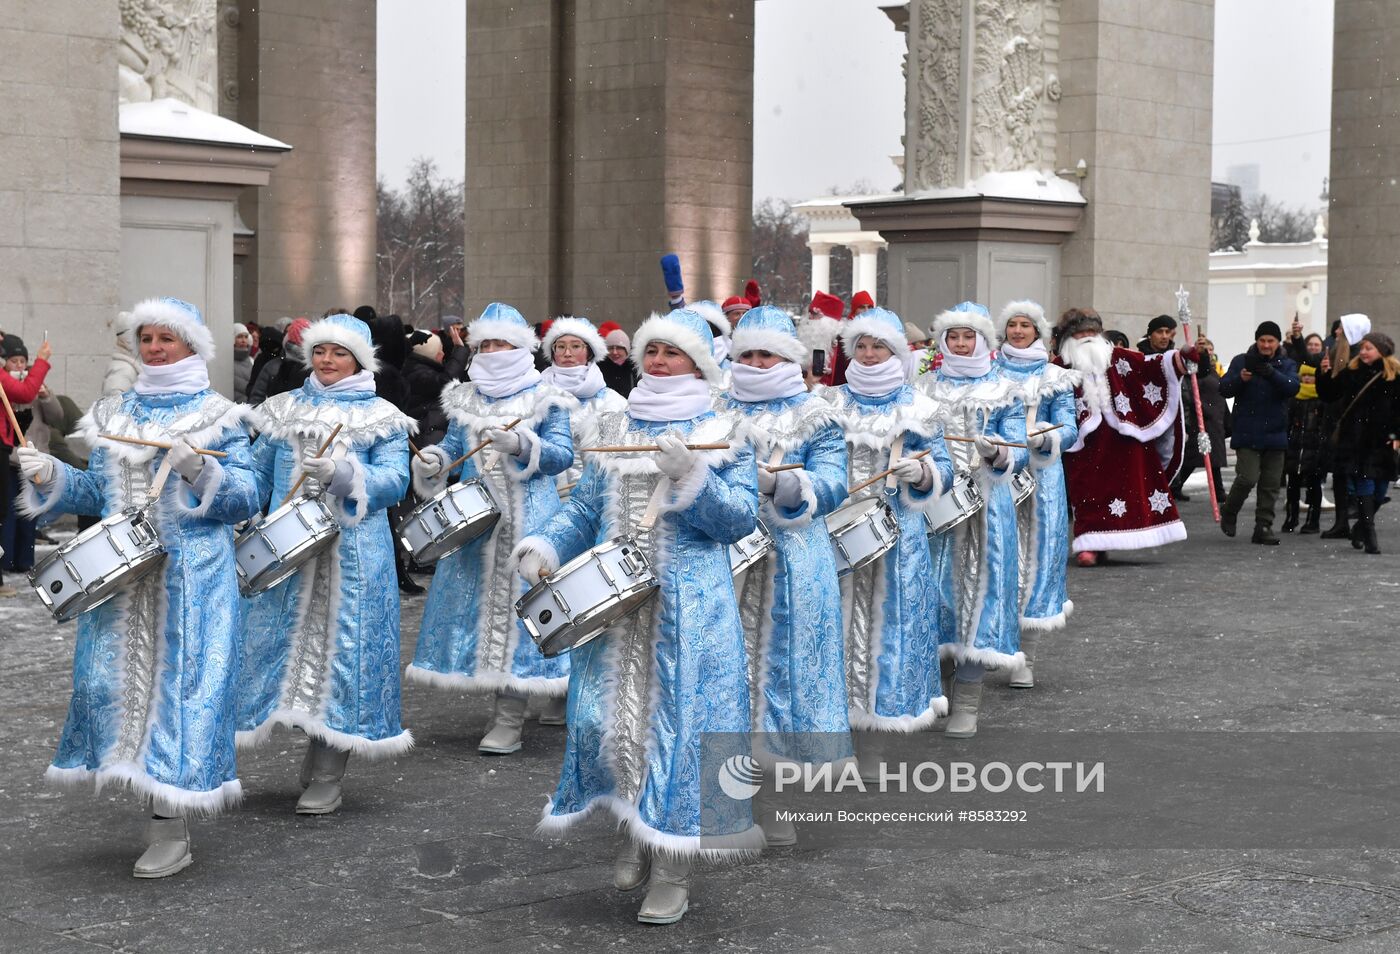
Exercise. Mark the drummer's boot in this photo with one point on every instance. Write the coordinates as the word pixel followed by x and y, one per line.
pixel 777 832
pixel 507 723
pixel 167 848
pixel 322 796
pixel 553 710
pixel 1023 676
pixel 668 891
pixel 631 866
pixel 870 754
pixel 307 764
pixel 962 720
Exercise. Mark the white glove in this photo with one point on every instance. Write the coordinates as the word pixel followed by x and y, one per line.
pixel 1038 441
pixel 1000 458
pixel 675 459
pixel 429 462
pixel 788 492
pixel 984 446
pixel 507 442
pixel 533 566
pixel 767 480
pixel 184 461
pixel 35 465
pixel 321 468
pixel 908 470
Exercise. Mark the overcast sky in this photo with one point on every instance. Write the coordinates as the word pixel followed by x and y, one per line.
pixel 828 100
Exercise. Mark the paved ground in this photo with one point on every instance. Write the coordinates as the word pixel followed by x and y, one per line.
pixel 435 852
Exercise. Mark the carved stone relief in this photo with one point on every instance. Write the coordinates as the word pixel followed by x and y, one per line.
pixel 935 55
pixel 168 49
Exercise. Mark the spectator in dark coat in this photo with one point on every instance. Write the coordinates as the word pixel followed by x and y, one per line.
pixel 1217 411
pixel 270 353
pixel 1160 337
pixel 426 372
pixel 1262 381
pixel 292 370
pixel 386 331
pixel 1305 463
pixel 617 369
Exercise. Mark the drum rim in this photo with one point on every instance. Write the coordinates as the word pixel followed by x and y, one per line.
pixel 148 562
pixel 875 502
pixel 422 556
pixel 588 616
pixel 320 543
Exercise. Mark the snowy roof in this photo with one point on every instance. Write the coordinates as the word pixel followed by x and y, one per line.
pixel 176 120
pixel 1041 184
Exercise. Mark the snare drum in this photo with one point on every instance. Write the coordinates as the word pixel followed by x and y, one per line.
pixel 585 596
pixel 287 539
pixel 1022 486
pixel 448 521
pixel 94 566
pixel 959 503
pixel 861 533
pixel 750 550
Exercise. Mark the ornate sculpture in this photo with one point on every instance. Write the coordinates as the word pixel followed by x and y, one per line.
pixel 936 55
pixel 1011 86
pixel 168 49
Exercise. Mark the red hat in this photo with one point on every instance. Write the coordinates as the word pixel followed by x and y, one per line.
pixel 861 299
pixel 736 305
pixel 828 305
pixel 544 327
pixel 296 329
pixel 608 327
pixel 751 293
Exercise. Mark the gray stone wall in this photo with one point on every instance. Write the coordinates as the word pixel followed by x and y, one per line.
pixel 1364 222
pixel 60 238
pixel 1136 107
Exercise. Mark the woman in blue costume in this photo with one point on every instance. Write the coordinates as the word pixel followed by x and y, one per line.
pixel 643 695
pixel 975 563
pixel 888 607
pixel 470 637
pixel 1042 520
pixel 321 648
pixel 791 603
pixel 155 669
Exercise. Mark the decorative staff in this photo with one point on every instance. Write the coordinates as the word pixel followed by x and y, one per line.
pixel 1183 316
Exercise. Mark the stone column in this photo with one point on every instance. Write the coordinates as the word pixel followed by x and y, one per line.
pixel 821 265
pixel 864 267
pixel 1364 230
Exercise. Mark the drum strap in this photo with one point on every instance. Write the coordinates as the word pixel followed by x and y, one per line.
pixel 158 482
pixel 896 452
pixel 775 458
pixel 663 486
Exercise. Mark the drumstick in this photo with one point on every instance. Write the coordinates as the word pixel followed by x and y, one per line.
pixel 782 467
pixel 973 440
pixel 297 486
pixel 20 439
pixel 648 447
pixel 161 444
pixel 416 452
pixel 472 453
pixel 883 474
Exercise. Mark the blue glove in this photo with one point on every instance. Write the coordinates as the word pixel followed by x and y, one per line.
pixel 671 271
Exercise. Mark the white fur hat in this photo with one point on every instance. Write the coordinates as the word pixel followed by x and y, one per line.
pixel 502 323
pixel 879 323
pixel 966 314
pixel 714 316
pixel 686 330
pixel 178 316
pixel 580 328
pixel 1026 309
pixel 769 328
pixel 348 332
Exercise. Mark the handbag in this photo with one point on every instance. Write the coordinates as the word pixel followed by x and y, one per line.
pixel 1337 430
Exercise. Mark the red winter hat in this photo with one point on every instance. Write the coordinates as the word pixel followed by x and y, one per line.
pixel 824 304
pixel 751 293
pixel 608 327
pixel 861 299
pixel 736 305
pixel 296 329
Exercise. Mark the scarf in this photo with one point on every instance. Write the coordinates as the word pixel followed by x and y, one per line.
pixel 966 366
pixel 582 382
pixel 359 381
pixel 1035 353
pixel 498 374
pixel 679 397
pixel 783 380
pixel 876 380
pixel 186 376
pixel 1307 388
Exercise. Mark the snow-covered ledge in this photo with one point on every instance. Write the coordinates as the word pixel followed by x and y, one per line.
pixel 169 147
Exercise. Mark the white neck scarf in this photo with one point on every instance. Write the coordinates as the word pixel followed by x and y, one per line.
pixel 678 397
pixel 783 380
pixel 186 376
pixel 359 381
pixel 1036 352
pixel 501 373
pixel 582 382
pixel 876 380
pixel 966 366
pixel 719 347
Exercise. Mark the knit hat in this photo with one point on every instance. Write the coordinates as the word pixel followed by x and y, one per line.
pixel 178 316
pixel 967 314
pixel 860 299
pixel 914 333
pixel 503 323
pixel 879 323
pixel 1269 328
pixel 240 329
pixel 580 328
pixel 828 306
pixel 426 345
pixel 1355 326
pixel 608 327
pixel 1076 320
pixel 685 329
pixel 752 295
pixel 348 332
pixel 1161 321
pixel 1383 342
pixel 734 305
pixel 769 328
pixel 12 346
pixel 1025 309
pixel 295 330
pixel 617 338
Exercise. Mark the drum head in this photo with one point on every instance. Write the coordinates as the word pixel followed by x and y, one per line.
pixel 278 572
pixel 142 567
pixel 590 626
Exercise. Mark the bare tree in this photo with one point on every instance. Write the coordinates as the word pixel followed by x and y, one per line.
pixel 1277 222
pixel 781 263
pixel 419 249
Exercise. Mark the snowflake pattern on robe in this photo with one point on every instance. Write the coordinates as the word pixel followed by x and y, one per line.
pixel 1159 501
pixel 1123 403
pixel 1118 507
pixel 1152 393
pixel 1123 366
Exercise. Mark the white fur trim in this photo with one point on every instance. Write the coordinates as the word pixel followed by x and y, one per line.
pixel 714 316
pixel 936 489
pixel 869 722
pixel 539 546
pixel 992 475
pixel 325 332
pixel 808 495
pixel 989 658
pixel 853 330
pixel 964 319
pixel 715 848
pixel 579 329
pixel 34 501
pixel 685 490
pixel 357 745
pixel 165 799
pixel 488 682
pixel 1041 459
pixel 490 329
pixel 657 328
pixel 426 487
pixel 358 494
pixel 783 345
pixel 153 311
pixel 1140 539
pixel 203 490
pixel 1043 624
pixel 1028 309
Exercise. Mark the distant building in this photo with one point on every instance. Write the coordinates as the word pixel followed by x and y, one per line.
pixel 1246 176
pixel 1266 281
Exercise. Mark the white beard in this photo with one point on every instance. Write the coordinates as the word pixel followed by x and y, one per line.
pixel 817 333
pixel 1090 356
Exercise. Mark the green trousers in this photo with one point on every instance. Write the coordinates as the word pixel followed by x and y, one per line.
pixel 1256 468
